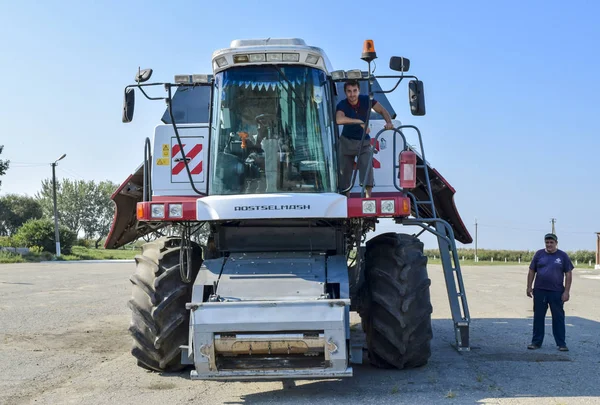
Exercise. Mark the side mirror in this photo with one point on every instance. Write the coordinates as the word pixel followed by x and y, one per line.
pixel 143 75
pixel 128 105
pixel 399 64
pixel 416 97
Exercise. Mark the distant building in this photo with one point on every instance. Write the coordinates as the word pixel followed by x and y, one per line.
pixel 597 267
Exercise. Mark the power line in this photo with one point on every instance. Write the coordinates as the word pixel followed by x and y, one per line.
pixel 70 173
pixel 14 165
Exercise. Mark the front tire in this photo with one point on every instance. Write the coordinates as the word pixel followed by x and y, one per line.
pixel 397 317
pixel 160 321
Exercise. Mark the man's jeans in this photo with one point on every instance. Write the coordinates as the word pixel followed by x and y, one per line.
pixel 541 300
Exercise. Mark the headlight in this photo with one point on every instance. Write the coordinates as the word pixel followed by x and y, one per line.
pixel 388 206
pixel 354 74
pixel 257 57
pixel 369 207
pixel 158 211
pixel 240 58
pixel 221 61
pixel 183 79
pixel 338 74
pixel 274 57
pixel 312 59
pixel 200 79
pixel 175 210
pixel 291 57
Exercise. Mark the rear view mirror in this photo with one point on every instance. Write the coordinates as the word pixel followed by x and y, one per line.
pixel 416 97
pixel 143 75
pixel 399 64
pixel 128 104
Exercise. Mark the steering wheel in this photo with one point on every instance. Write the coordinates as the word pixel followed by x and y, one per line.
pixel 264 119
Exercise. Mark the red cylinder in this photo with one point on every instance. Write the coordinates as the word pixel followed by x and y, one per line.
pixel 408 169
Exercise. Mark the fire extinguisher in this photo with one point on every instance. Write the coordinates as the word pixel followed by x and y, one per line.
pixel 408 169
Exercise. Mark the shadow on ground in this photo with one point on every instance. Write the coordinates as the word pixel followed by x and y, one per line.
pixel 498 366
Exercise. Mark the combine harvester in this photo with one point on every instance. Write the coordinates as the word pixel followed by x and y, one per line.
pixel 249 153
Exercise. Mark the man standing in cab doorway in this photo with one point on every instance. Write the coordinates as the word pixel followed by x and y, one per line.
pixel 352 113
pixel 550 267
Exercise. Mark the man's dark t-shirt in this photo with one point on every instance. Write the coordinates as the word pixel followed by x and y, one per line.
pixel 358 111
pixel 550 269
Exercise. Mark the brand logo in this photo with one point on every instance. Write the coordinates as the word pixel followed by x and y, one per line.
pixel 558 260
pixel 383 144
pixel 271 207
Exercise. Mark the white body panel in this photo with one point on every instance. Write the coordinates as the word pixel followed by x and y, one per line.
pixel 384 159
pixel 208 319
pixel 169 176
pixel 281 205
pixel 290 45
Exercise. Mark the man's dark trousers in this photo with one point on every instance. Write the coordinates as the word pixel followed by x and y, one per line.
pixel 541 300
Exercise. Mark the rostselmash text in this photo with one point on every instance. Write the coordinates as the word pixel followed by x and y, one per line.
pixel 271 207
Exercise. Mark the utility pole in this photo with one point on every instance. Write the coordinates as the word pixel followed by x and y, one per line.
pixel 553 220
pixel 476 257
pixel 56 233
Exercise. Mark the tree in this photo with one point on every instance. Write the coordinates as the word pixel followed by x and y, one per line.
pixel 71 201
pixel 100 211
pixel 40 232
pixel 15 210
pixel 3 164
pixel 82 205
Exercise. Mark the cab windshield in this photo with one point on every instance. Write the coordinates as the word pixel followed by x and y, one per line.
pixel 271 131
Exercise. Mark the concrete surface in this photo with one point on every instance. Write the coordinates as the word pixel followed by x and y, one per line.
pixel 64 340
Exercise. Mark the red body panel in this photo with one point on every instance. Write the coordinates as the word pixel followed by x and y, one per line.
pixel 126 227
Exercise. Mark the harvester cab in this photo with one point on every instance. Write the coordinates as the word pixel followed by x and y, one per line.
pixel 247 157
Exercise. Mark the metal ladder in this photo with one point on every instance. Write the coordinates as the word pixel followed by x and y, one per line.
pixel 446 242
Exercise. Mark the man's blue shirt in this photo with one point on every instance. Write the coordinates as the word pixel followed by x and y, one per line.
pixel 550 269
pixel 358 111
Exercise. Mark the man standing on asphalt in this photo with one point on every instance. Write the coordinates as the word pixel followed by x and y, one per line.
pixel 550 267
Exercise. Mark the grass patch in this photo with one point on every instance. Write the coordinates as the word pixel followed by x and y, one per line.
pixel 83 253
pixel 8 257
pixel 77 253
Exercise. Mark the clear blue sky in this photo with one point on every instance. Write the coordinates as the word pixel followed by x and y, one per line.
pixel 512 92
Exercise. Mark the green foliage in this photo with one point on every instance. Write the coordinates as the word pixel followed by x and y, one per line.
pixel 7 241
pixel 70 198
pixel 4 164
pixel 15 210
pixel 485 255
pixel 82 205
pixel 40 232
pixel 36 249
pixel 83 242
pixel 100 212
pixel 582 256
pixel 8 257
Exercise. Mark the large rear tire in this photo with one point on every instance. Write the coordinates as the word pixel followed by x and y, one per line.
pixel 397 314
pixel 159 323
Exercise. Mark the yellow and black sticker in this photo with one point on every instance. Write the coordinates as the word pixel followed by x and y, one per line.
pixel 162 161
pixel 165 150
